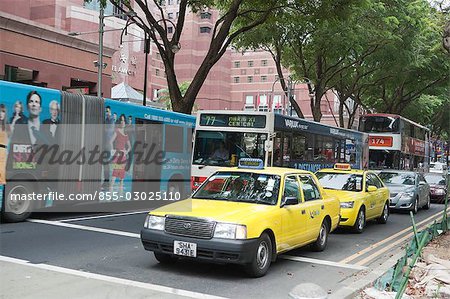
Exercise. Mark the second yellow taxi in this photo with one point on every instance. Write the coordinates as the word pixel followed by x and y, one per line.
pixel 362 194
pixel 244 215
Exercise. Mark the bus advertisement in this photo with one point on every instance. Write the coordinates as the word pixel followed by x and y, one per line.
pixel 56 147
pixel 223 137
pixel 395 142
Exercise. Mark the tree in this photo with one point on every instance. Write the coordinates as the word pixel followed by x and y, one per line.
pixel 164 95
pixel 236 17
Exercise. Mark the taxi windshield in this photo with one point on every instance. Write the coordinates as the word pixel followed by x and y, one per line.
pixel 341 181
pixel 242 187
pixel 397 178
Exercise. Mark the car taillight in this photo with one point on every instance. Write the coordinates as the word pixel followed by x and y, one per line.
pixel 196 181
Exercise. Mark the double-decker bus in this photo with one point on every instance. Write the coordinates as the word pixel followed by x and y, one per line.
pixel 395 142
pixel 54 143
pixel 223 137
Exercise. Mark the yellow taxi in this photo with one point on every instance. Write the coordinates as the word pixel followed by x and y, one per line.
pixel 244 215
pixel 362 194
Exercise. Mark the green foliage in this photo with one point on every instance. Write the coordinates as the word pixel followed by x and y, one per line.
pixel 164 96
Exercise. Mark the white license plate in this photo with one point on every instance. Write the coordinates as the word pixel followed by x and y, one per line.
pixel 185 248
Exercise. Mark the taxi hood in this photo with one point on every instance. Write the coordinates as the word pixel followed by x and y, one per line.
pixel 218 210
pixel 343 195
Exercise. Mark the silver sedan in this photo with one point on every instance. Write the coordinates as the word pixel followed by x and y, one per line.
pixel 408 190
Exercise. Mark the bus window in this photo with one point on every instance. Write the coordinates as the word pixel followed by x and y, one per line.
pixel 324 150
pixel 236 145
pixel 379 124
pixel 298 147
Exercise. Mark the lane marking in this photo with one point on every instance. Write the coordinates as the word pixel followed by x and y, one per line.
pixel 102 216
pixel 371 257
pixel 87 228
pixel 321 262
pixel 133 235
pixel 376 245
pixel 112 279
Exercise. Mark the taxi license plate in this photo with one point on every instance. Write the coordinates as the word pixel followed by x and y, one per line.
pixel 185 248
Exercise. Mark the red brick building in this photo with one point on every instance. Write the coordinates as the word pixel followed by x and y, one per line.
pixel 40 51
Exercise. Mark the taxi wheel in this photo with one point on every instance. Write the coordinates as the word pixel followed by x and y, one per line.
pixel 428 204
pixel 322 239
pixel 262 257
pixel 360 221
pixel 384 215
pixel 164 258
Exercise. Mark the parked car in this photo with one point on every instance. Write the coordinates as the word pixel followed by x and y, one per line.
pixel 362 194
pixel 438 186
pixel 245 215
pixel 409 190
pixel 438 167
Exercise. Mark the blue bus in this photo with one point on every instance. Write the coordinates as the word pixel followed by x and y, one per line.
pixel 68 130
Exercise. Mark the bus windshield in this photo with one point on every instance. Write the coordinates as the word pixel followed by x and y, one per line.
pixel 379 124
pixel 241 186
pixel 216 148
pixel 341 181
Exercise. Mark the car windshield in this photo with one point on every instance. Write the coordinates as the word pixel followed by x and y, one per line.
pixel 397 178
pixel 242 187
pixel 226 148
pixel 341 181
pixel 435 179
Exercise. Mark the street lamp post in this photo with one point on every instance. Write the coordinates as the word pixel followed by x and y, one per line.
pixel 100 51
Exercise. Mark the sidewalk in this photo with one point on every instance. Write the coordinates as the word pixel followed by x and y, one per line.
pixel 29 281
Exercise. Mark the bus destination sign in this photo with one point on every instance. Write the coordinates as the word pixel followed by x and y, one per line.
pixel 242 121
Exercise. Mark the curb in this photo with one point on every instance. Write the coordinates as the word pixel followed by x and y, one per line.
pixel 352 288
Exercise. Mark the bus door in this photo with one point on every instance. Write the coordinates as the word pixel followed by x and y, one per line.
pixel 148 142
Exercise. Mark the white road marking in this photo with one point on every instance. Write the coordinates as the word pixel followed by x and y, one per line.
pixel 321 262
pixel 88 228
pixel 103 216
pixel 111 279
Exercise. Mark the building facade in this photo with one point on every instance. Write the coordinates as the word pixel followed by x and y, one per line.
pixel 52 58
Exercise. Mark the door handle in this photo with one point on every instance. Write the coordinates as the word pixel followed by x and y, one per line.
pixel 322 207
pixel 303 212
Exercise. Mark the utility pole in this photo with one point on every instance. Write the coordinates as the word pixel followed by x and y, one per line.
pixel 100 51
pixel 289 92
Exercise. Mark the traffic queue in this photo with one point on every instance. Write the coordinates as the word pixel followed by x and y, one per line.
pixel 249 214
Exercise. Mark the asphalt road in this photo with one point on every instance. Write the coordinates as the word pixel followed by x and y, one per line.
pixel 109 245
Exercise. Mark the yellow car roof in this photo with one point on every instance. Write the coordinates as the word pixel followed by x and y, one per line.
pixel 267 170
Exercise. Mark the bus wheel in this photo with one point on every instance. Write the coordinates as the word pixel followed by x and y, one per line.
pixel 175 190
pixel 14 210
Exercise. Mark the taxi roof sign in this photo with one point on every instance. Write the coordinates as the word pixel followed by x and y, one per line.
pixel 251 163
pixel 342 166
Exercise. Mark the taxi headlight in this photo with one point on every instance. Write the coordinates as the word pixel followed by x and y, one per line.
pixel 347 204
pixel 154 222
pixel 230 231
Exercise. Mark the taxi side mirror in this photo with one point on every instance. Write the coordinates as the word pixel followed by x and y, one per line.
pixel 371 188
pixel 289 201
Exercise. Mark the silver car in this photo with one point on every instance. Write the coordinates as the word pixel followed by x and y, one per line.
pixel 409 190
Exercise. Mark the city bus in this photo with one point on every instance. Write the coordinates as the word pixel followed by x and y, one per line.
pixel 146 149
pixel 395 142
pixel 223 137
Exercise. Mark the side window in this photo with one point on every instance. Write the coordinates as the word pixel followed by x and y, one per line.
pixel 309 188
pixel 291 188
pixel 369 181
pixel 377 181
